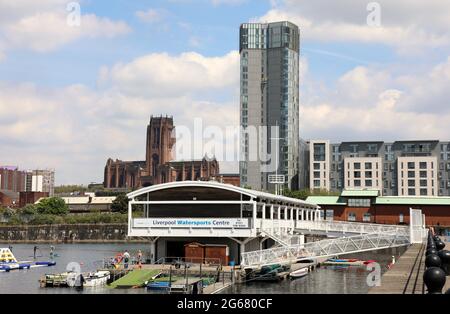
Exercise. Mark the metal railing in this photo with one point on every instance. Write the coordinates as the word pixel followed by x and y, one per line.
pixel 351 227
pixel 324 248
pixel 216 262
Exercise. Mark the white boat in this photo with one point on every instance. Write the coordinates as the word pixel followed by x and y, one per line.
pixel 94 279
pixel 99 278
pixel 302 272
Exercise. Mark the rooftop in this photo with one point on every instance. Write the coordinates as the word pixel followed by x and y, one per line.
pixel 359 193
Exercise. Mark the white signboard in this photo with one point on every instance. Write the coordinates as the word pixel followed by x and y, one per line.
pixel 280 179
pixel 219 223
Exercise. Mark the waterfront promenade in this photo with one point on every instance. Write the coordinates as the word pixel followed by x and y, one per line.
pixel 406 276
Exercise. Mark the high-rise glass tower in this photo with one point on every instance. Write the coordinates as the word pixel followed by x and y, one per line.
pixel 269 86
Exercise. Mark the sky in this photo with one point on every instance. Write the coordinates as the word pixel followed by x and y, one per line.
pixel 74 94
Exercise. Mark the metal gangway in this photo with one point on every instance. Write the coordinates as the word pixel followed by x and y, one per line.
pixel 363 237
pixel 324 248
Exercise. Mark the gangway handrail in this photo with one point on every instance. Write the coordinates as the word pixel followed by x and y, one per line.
pixel 349 227
pixel 324 248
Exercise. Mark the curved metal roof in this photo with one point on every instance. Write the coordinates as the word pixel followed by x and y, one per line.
pixel 217 185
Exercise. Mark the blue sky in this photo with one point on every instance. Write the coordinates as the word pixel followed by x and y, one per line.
pixel 70 97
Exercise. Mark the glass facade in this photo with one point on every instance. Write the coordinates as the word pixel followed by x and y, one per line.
pixel 270 97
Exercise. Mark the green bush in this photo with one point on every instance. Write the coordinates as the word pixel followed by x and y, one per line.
pixel 26 217
pixel 52 206
pixel 120 204
pixel 46 219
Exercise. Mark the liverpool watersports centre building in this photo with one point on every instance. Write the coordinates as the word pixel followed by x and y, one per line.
pixel 174 215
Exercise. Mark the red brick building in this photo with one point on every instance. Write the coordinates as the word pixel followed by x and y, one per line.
pixel 159 166
pixel 26 198
pixel 229 178
pixel 9 198
pixel 367 206
pixel 12 179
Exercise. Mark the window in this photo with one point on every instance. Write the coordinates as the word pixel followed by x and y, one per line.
pixel 411 174
pixel 316 175
pixel 357 174
pixel 372 148
pixel 423 183
pixel 316 166
pixel 357 183
pixel 368 183
pixel 423 165
pixel 411 192
pixel 368 165
pixel 366 217
pixel 351 217
pixel 423 174
pixel 319 152
pixel 411 182
pixel 368 174
pixel 359 202
pixel 316 183
pixel 411 165
pixel 357 165
pixel 423 192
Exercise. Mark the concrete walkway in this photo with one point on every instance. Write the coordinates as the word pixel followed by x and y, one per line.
pixel 406 276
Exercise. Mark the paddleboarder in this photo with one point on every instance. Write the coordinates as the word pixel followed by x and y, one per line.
pixel 34 251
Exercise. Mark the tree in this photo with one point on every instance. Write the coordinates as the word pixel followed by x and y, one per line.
pixel 120 204
pixel 303 194
pixel 52 206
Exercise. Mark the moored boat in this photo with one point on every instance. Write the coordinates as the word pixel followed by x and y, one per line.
pixel 99 278
pixel 299 273
pixel 73 279
pixel 344 261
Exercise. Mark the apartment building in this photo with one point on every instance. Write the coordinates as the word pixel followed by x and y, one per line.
pixel 400 168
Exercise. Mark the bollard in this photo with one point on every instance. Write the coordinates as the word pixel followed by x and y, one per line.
pixel 432 260
pixel 434 279
pixel 440 245
pixel 431 251
pixel 444 256
pixel 436 238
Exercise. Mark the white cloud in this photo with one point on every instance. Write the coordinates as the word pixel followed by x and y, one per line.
pixel 151 15
pixel 160 74
pixel 76 128
pixel 372 104
pixel 42 26
pixel 227 2
pixel 406 25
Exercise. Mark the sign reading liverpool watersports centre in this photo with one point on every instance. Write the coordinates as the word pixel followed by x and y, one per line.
pixel 190 223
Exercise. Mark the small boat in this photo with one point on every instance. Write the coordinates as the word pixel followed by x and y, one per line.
pixel 158 285
pixel 72 279
pixel 344 261
pixel 299 273
pixel 99 278
pixel 55 280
